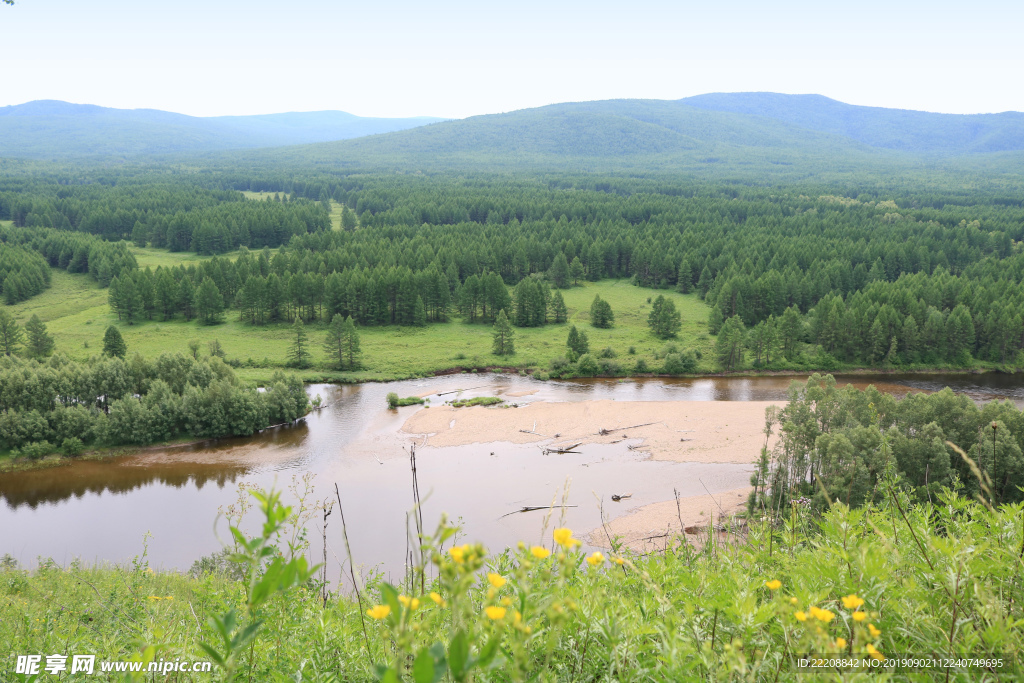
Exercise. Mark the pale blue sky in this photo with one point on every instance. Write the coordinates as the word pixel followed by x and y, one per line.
pixel 442 58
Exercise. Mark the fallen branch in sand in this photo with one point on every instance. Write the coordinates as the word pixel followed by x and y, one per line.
pixel 459 391
pixel 563 449
pixel 532 508
pixel 605 432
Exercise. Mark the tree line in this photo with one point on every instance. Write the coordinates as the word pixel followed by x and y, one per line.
pixel 60 404
pixel 842 443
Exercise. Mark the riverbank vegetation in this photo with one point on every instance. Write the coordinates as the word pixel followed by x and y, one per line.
pixel 67 406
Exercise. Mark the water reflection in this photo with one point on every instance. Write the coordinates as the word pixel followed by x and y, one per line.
pixel 102 510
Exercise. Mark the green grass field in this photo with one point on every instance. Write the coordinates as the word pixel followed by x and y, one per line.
pixel 76 312
pixel 153 257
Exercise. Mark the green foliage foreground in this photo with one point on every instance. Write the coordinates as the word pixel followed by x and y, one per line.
pixel 892 578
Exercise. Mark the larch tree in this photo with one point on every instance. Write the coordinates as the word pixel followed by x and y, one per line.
pixel 40 343
pixel 11 334
pixel 503 336
pixel 113 343
pixel 298 352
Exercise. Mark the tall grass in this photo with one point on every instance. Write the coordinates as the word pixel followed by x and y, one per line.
pixel 942 579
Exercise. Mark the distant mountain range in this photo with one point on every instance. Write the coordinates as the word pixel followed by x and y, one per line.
pixel 730 130
pixel 51 129
pixel 742 134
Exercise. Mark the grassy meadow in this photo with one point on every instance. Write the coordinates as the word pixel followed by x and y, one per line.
pixel 892 581
pixel 76 313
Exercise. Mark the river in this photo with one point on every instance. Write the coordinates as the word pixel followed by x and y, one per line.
pixel 169 499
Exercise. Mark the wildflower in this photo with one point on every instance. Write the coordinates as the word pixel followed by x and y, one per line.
pixel 874 631
pixel 875 654
pixel 506 601
pixel 378 611
pixel 792 601
pixel 851 601
pixel 859 616
pixel 618 560
pixel 563 537
pixel 438 600
pixel 409 603
pixel 596 559
pixel 151 597
pixel 497 580
pixel 822 614
pixel 539 552
pixel 495 613
pixel 801 616
pixel 840 643
pixel 773 585
pixel 458 553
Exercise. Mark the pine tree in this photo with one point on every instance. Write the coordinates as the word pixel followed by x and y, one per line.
pixel 209 304
pixel 576 271
pixel 601 313
pixel 298 354
pixel 342 342
pixel 559 272
pixel 559 313
pixel 11 334
pixel 40 343
pixel 577 343
pixel 419 313
pixel 664 320
pixel 504 336
pixel 113 343
pixel 729 345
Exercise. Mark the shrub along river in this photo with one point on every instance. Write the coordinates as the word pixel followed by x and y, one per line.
pixel 101 511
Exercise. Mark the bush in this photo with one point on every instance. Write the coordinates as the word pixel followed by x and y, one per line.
pixel 641 366
pixel 395 402
pixel 680 363
pixel 632 351
pixel 587 365
pixel 609 367
pixel 37 449
pixel 72 446
pixel 665 350
pixel 478 401
pixel 607 352
pixel 559 363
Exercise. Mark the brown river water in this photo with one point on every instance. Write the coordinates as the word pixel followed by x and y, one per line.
pixel 101 511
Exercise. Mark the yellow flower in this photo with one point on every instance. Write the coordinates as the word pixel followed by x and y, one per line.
pixel 874 631
pixel 840 643
pixel 378 611
pixel 773 585
pixel 792 601
pixel 495 613
pixel 436 597
pixel 851 601
pixel 875 654
pixel 822 614
pixel 801 616
pixel 539 552
pixel 859 616
pixel 409 603
pixel 497 580
pixel 618 560
pixel 458 553
pixel 506 601
pixel 596 559
pixel 151 597
pixel 563 537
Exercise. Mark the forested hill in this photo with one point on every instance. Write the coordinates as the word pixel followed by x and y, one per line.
pixel 782 136
pixel 51 129
pixel 899 129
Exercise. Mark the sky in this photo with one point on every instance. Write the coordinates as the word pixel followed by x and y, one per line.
pixel 456 59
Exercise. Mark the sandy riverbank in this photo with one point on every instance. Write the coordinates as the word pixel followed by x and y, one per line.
pixel 681 431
